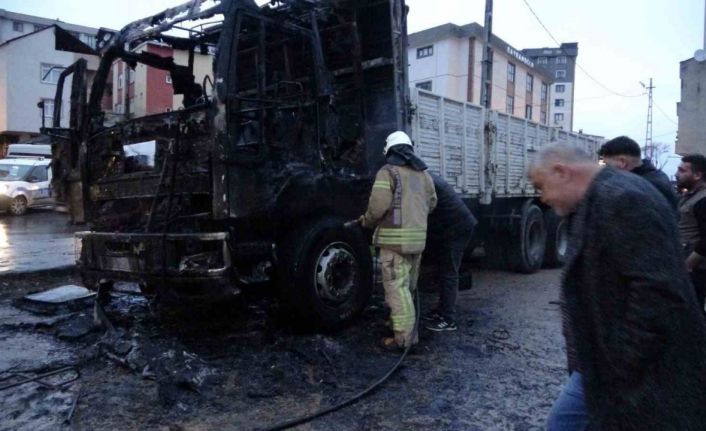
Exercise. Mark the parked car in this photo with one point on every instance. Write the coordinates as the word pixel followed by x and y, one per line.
pixel 25 183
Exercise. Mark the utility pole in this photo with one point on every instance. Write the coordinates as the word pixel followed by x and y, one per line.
pixel 649 147
pixel 485 95
pixel 487 69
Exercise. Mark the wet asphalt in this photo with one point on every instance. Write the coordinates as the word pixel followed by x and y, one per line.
pixel 238 366
pixel 38 240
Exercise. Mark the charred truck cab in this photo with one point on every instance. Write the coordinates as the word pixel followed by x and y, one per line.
pixel 252 179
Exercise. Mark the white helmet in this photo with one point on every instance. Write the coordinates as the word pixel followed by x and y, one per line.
pixel 396 138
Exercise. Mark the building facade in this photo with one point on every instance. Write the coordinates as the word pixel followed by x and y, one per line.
pixel 447 60
pixel 560 65
pixel 691 109
pixel 149 89
pixel 30 66
pixel 14 25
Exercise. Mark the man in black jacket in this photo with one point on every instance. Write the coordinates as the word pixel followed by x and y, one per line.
pixel 691 177
pixel 635 337
pixel 449 230
pixel 624 153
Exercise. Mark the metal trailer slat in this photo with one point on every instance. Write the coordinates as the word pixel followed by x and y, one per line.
pixel 449 136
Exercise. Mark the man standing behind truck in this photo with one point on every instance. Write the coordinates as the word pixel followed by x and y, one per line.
pixel 691 176
pixel 400 202
pixel 450 229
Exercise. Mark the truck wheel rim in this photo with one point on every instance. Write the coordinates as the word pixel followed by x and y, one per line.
pixel 562 239
pixel 336 274
pixel 534 236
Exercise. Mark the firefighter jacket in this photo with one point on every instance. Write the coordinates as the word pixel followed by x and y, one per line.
pixel 400 201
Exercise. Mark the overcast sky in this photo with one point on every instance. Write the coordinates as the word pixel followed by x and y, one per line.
pixel 621 42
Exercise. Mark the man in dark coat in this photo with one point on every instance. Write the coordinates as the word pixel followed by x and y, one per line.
pixel 635 337
pixel 449 231
pixel 691 177
pixel 624 153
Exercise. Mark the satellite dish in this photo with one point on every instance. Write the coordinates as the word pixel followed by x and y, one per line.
pixel 700 55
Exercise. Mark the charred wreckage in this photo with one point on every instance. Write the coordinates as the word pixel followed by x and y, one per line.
pixel 252 179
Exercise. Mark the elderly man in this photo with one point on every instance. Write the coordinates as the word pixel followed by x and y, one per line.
pixel 635 337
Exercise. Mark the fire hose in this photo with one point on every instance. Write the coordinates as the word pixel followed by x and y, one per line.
pixel 357 397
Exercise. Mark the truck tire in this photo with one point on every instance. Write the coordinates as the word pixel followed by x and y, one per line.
pixel 557 239
pixel 325 274
pixel 525 251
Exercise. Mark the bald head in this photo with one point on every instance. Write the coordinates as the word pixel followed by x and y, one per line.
pixel 562 173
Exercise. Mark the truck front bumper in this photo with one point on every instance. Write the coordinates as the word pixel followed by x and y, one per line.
pixel 195 261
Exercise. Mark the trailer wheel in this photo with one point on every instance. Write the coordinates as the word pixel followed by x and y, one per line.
pixel 526 250
pixel 557 239
pixel 324 274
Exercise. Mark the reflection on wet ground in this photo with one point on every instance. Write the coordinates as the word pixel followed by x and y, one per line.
pixel 40 239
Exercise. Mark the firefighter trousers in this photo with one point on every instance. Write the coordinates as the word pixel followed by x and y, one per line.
pixel 399 279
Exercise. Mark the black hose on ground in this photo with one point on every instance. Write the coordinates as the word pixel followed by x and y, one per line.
pixel 355 398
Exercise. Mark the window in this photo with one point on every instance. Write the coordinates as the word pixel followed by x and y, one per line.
pixel 425 51
pixel 131 75
pixel 38 27
pixel 542 60
pixel 48 110
pixel 510 104
pixel 558 118
pixel 39 173
pixel 561 59
pixel 559 102
pixel 18 26
pixel 543 117
pixel 560 88
pixel 510 72
pixel 49 73
pixel 168 79
pixel 426 85
pixel 120 81
pixel 530 83
pixel 88 39
pixel 543 93
pixel 528 112
pixel 560 74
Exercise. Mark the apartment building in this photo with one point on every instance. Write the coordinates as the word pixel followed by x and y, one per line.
pixel 30 66
pixel 560 64
pixel 447 60
pixel 691 109
pixel 149 90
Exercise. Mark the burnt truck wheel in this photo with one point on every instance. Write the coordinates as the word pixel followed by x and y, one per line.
pixel 324 274
pixel 557 239
pixel 526 250
pixel 18 206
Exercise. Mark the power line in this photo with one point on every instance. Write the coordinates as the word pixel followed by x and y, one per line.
pixel 665 114
pixel 577 63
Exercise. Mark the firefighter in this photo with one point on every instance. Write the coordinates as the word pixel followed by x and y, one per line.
pixel 401 199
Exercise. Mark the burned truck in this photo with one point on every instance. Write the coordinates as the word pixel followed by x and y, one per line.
pixel 253 177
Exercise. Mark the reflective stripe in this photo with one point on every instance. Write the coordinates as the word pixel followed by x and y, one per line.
pixel 401 241
pixel 381 184
pixel 390 236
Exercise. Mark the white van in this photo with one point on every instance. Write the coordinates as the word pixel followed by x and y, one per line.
pixel 25 183
pixel 28 150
